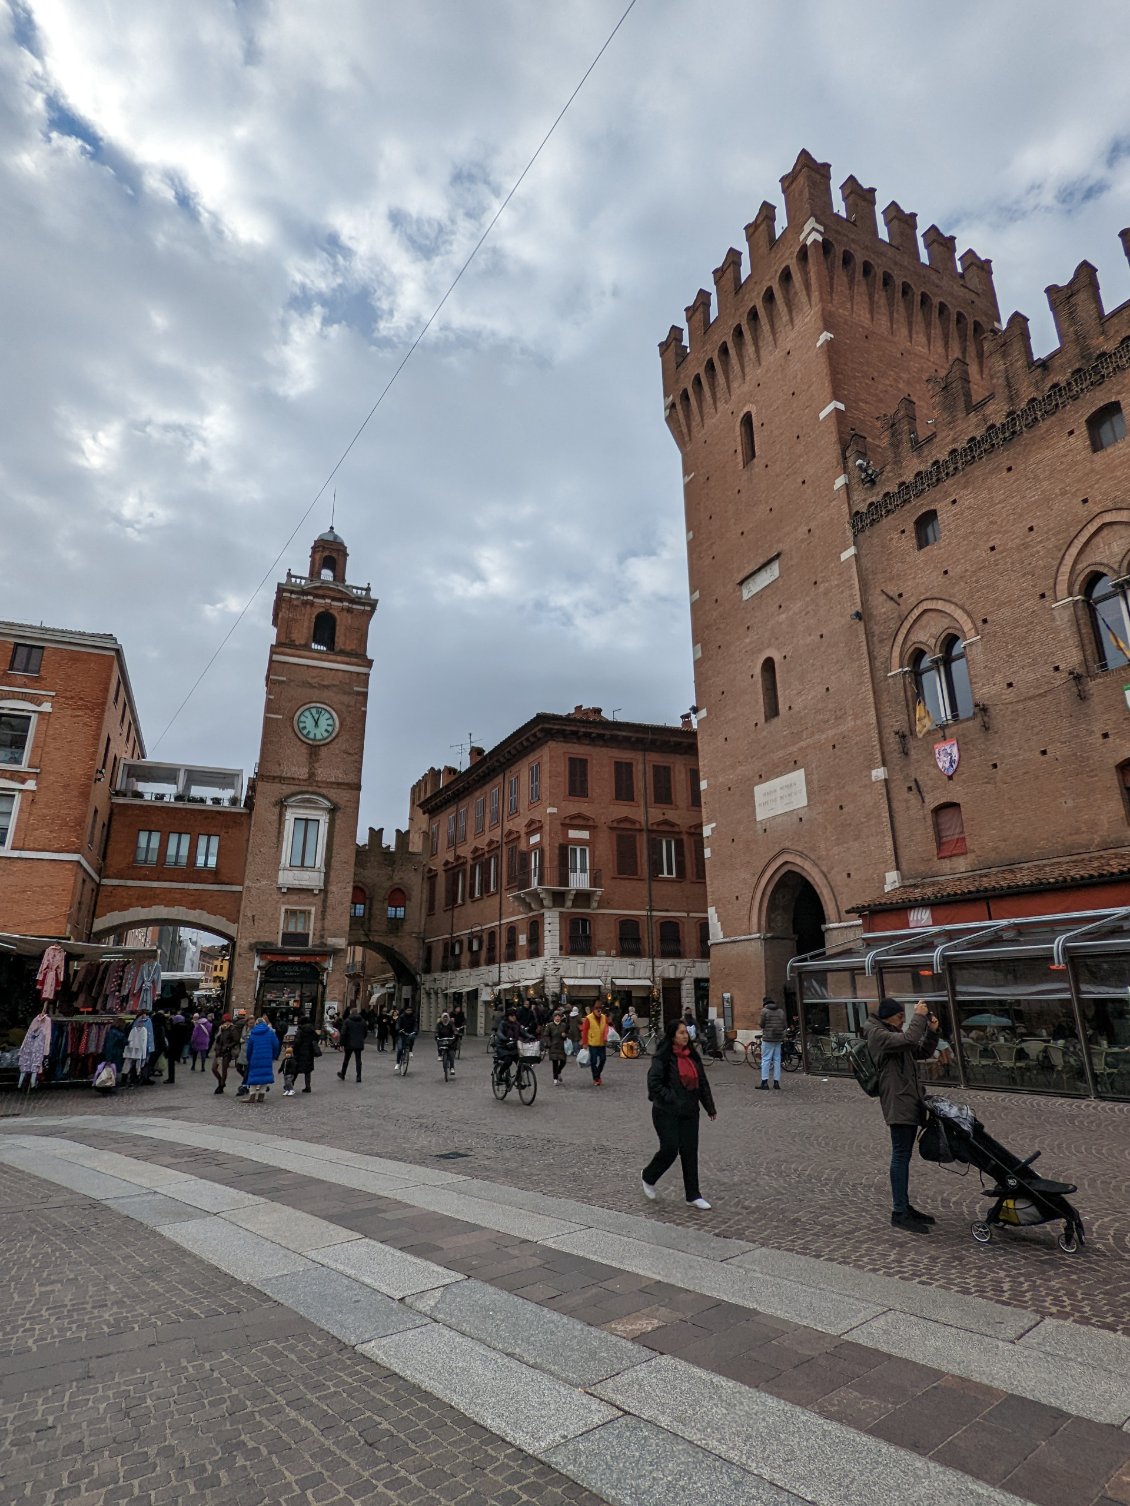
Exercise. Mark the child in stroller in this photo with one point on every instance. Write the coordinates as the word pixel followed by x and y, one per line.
pixel 1020 1196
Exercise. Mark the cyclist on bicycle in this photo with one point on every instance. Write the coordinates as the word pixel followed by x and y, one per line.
pixel 405 1032
pixel 508 1035
pixel 459 1020
pixel 445 1040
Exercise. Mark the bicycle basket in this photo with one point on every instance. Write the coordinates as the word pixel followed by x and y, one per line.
pixel 529 1049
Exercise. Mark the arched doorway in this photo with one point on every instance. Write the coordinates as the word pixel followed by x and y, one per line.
pixel 794 926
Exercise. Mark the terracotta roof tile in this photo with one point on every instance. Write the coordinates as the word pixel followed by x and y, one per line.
pixel 1050 873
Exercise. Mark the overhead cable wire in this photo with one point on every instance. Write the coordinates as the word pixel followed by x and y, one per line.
pixel 407 356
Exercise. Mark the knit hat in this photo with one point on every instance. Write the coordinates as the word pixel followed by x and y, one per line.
pixel 888 1008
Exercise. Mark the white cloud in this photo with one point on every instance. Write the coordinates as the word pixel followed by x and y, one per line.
pixel 226 221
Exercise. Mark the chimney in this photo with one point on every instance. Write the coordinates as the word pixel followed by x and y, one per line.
pixel 474 755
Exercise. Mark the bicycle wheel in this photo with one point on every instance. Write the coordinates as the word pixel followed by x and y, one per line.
pixel 791 1061
pixel 445 1058
pixel 527 1083
pixel 500 1082
pixel 753 1054
pixel 402 1065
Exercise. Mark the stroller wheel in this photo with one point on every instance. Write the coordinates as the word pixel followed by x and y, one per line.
pixel 1068 1242
pixel 981 1232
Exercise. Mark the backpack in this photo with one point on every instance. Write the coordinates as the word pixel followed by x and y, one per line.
pixel 864 1067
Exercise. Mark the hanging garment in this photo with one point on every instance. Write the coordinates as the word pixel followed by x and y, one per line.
pixel 49 978
pixel 148 984
pixel 84 986
pixel 112 989
pixel 125 987
pixel 137 1047
pixel 36 1044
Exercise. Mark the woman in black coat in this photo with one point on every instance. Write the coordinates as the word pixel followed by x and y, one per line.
pixel 678 1089
pixel 305 1050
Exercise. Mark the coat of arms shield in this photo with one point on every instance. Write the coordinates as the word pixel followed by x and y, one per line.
pixel 947 756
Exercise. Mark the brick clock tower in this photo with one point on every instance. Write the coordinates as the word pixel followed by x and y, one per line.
pixel 294 917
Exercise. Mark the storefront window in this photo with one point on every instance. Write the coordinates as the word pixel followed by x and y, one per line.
pixel 908 985
pixel 1016 1026
pixel 1104 996
pixel 833 1006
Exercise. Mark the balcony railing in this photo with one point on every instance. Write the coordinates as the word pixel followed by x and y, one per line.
pixel 670 948
pixel 631 946
pixel 580 946
pixel 577 878
pixel 310 580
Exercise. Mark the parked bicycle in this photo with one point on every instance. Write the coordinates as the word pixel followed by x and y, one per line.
pixel 791 1059
pixel 640 1045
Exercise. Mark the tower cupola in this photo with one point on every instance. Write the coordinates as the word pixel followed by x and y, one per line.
pixel 328 557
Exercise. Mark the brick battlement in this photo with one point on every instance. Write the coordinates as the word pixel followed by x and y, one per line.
pixel 824 257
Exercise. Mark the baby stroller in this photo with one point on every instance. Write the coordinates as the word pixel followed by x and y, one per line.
pixel 1021 1198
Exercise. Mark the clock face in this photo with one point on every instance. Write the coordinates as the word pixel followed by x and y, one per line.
pixel 316 724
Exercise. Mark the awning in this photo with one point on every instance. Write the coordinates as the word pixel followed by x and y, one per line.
pixel 35 946
pixel 582 983
pixel 632 983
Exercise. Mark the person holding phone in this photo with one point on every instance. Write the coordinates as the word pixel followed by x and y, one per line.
pixel 896 1052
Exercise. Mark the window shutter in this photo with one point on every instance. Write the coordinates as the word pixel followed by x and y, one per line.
pixel 655 856
pixel 627 854
pixel 698 847
pixel 680 858
pixel 563 862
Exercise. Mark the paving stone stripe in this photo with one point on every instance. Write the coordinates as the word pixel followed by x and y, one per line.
pixel 389 1271
pixel 301 1232
pixel 819 1460
pixel 351 1311
pixel 247 1256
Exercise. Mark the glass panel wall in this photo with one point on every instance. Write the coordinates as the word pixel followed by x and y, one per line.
pixel 1016 1025
pixel 834 1005
pixel 908 985
pixel 1103 984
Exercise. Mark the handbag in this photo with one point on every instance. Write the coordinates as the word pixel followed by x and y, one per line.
pixel 569 1048
pixel 583 1057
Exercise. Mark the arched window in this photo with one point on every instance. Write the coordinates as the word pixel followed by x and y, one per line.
pixel 580 936
pixel 942 689
pixel 492 947
pixel 358 903
pixel 748 444
pixel 533 939
pixel 949 831
pixel 511 951
pixel 927 530
pixel 1106 426
pixel 1110 621
pixel 629 944
pixel 770 703
pixel 325 631
pixel 329 567
pixel 670 938
pixel 396 904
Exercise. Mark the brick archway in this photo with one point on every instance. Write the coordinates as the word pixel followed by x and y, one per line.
pixel 167 915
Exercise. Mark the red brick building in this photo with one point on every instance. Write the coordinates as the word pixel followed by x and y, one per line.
pixel 67 720
pixel 909 547
pixel 566 862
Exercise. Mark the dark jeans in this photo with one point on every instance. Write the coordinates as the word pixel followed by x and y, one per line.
pixel 171 1065
pixel 678 1139
pixel 596 1061
pixel 345 1061
pixel 220 1068
pixel 902 1143
pixel 558 1067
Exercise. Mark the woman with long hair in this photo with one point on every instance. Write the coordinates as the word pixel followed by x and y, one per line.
pixel 679 1091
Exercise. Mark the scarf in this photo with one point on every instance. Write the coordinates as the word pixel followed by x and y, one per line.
pixel 688 1071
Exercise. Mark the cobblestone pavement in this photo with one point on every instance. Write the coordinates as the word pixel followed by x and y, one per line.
pixel 1034 1451
pixel 801 1170
pixel 131 1371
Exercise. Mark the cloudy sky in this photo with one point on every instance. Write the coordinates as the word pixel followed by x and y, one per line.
pixel 224 221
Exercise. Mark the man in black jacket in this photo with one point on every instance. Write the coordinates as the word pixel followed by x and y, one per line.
pixel 353 1035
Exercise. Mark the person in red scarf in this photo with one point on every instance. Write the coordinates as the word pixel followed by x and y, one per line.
pixel 678 1090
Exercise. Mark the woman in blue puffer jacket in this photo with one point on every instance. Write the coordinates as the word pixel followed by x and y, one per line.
pixel 262 1050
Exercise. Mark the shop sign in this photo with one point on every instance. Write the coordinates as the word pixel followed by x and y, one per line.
pixel 292 972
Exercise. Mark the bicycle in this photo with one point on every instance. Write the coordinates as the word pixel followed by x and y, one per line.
pixel 403 1053
pixel 447 1061
pixel 514 1072
pixel 791 1059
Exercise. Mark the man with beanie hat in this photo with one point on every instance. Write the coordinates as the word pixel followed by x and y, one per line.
pixel 895 1052
pixel 774 1023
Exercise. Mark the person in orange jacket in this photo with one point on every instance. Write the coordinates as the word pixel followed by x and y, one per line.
pixel 594 1035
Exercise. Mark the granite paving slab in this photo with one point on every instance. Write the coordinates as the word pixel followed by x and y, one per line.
pixel 92 1184
pixel 351 1311
pixel 1022 1369
pixel 971 1313
pixel 459 1204
pixel 829 1312
pixel 129 1168
pixel 1089 1346
pixel 154 1209
pixel 562 1346
pixel 241 1254
pixel 822 1461
pixel 290 1228
pixel 383 1268
pixel 209 1197
pixel 522 1405
pixel 632 1463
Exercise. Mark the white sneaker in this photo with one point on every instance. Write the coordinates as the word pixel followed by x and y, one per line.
pixel 649 1191
pixel 700 1202
pixel 288 1092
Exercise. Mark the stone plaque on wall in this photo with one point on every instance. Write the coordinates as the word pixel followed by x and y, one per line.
pixel 776 796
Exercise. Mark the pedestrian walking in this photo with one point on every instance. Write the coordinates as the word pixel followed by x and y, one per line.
pixel 553 1040
pixel 137 1050
pixel 244 1026
pixel 176 1040
pixel 262 1050
pixel 678 1089
pixel 774 1023
pixel 227 1045
pixel 286 1060
pixel 689 1022
pixel 573 1028
pixel 382 1028
pixel 459 1020
pixel 199 1041
pixel 353 1034
pixel 896 1053
pixel 306 1048
pixel 594 1035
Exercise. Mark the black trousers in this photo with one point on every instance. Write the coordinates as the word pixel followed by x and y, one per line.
pixel 678 1140
pixel 345 1062
pixel 558 1066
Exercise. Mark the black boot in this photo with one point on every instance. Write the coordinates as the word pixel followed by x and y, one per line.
pixel 925 1218
pixel 909 1224
pixel 762 1087
pixel 777 1085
